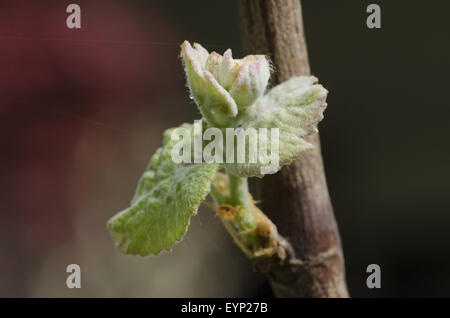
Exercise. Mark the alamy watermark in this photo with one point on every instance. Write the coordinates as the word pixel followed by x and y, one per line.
pixel 373 20
pixel 227 145
pixel 374 279
pixel 73 20
pixel 74 279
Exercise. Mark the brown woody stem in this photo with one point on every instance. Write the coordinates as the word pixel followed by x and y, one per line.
pixel 296 199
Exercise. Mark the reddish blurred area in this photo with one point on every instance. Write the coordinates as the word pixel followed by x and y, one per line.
pixel 81 113
pixel 55 83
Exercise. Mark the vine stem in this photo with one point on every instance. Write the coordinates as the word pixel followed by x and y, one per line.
pixel 239 191
pixel 250 228
pixel 296 199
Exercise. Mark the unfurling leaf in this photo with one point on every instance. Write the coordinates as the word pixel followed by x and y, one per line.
pixel 294 107
pixel 166 197
pixel 220 85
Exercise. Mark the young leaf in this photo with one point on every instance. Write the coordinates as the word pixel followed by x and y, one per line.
pixel 214 102
pixel 167 195
pixel 294 107
pixel 220 85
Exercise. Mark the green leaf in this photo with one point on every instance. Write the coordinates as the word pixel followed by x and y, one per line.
pixel 167 195
pixel 295 107
pixel 214 102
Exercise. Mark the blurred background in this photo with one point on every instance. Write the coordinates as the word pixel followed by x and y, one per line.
pixel 83 110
